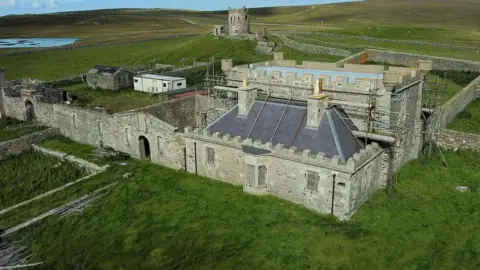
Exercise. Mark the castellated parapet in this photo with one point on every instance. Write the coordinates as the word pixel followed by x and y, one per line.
pixel 351 166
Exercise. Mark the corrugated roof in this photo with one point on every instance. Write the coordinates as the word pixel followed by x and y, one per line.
pixel 106 69
pixel 333 137
pixel 160 77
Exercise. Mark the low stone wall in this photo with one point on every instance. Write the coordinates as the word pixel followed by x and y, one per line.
pixel 457 103
pixel 310 48
pixel 395 41
pixel 17 146
pixel 77 79
pixel 454 140
pixel 101 44
pixel 410 60
pixel 89 166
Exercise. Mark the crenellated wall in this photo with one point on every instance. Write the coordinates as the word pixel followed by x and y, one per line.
pixel 287 169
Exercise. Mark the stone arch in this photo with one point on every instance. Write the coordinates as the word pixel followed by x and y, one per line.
pixel 144 146
pixel 29 111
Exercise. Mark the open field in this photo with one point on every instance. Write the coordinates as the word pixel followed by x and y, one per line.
pixel 61 64
pixel 6 135
pixel 164 218
pixel 111 101
pixel 32 174
pixel 469 119
pixel 353 43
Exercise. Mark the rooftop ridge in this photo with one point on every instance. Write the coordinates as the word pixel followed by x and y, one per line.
pixel 279 150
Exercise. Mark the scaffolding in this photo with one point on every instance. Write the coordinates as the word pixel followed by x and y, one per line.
pixel 435 89
pixel 219 98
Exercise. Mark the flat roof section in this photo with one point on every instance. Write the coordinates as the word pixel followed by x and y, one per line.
pixel 160 77
pixel 352 76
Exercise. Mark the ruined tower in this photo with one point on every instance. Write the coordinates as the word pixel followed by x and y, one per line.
pixel 238 21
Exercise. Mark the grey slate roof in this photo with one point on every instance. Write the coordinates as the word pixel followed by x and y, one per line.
pixel 333 137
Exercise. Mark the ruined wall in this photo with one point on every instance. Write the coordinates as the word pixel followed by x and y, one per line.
pixel 406 115
pixel 286 170
pixel 238 21
pixel 13 108
pixel 457 103
pixel 178 112
pixel 410 60
pixel 454 140
pixel 24 143
pixel 101 81
pixel 311 48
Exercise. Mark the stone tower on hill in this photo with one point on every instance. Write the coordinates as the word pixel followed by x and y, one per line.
pixel 238 21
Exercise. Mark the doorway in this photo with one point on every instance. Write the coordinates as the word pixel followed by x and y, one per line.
pixel 144 145
pixel 29 111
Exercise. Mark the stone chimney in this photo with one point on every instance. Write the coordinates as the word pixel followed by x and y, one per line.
pixel 246 98
pixel 317 104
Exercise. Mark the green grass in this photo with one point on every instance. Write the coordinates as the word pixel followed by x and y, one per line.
pixel 163 219
pixel 61 64
pixel 409 48
pixel 6 135
pixel 34 209
pixel 111 101
pixel 68 146
pixel 31 174
pixel 468 120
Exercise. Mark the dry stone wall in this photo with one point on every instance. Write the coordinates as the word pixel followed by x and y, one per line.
pixel 17 146
pixel 312 49
pixel 410 60
pixel 454 140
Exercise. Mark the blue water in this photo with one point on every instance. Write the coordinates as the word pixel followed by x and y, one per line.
pixel 352 76
pixel 35 42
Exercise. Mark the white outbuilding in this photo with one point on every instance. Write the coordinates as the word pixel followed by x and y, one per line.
pixel 151 83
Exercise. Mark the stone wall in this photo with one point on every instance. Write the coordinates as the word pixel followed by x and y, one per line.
pixel 410 60
pixel 24 143
pixel 454 140
pixel 119 80
pixel 312 49
pixel 286 171
pixel 456 104
pixel 395 41
pixel 89 166
pixel 77 79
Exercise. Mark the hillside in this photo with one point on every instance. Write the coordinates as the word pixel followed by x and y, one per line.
pixel 447 19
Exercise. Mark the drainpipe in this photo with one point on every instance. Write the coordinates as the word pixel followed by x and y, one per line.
pixel 334 175
pixel 195 150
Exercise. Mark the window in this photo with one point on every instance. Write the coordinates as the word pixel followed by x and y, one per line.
pixel 179 84
pixel 312 181
pixel 164 84
pixel 250 174
pixel 127 137
pixel 210 156
pixel 74 121
pixel 136 80
pixel 262 174
pixel 160 145
pixel 246 17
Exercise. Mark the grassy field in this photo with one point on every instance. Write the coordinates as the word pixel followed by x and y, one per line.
pixel 61 64
pixel 341 42
pixel 6 135
pixel 44 173
pixel 111 101
pixel 468 120
pixel 163 218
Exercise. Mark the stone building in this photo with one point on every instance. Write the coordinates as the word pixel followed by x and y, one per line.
pixel 109 78
pixel 295 131
pixel 238 21
pixel 219 30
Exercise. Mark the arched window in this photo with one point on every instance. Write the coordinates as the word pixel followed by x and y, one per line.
pixel 246 17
